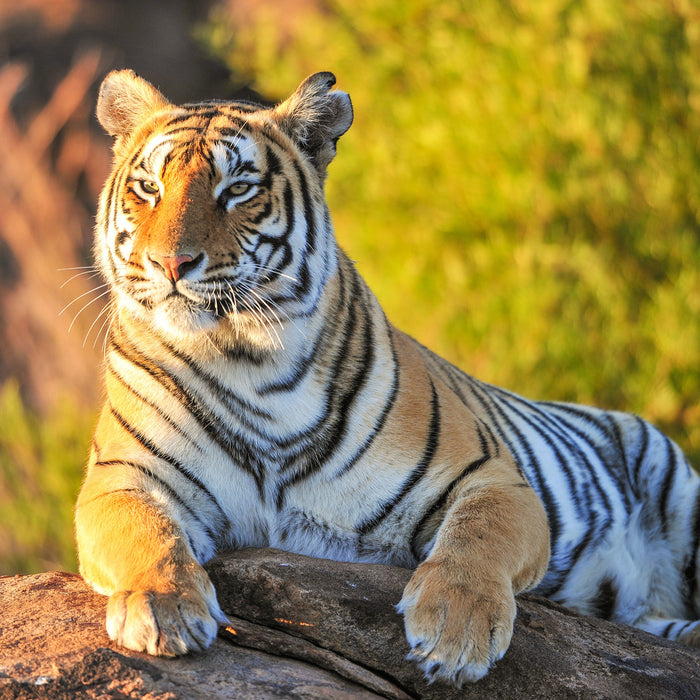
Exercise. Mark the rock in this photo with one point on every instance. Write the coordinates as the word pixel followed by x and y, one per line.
pixel 312 628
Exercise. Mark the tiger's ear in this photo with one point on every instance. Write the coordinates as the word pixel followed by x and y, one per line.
pixel 125 101
pixel 315 117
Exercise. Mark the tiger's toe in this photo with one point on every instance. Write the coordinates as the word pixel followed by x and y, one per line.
pixel 162 624
pixel 456 634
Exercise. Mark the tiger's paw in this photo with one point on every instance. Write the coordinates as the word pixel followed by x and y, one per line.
pixel 456 632
pixel 164 624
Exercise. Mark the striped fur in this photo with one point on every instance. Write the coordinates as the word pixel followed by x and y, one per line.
pixel 256 395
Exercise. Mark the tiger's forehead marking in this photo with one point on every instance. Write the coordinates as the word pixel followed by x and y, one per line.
pixel 155 152
pixel 229 151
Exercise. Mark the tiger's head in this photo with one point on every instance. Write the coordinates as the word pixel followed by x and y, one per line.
pixel 213 220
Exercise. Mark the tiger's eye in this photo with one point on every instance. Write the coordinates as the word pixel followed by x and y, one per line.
pixel 149 187
pixel 239 188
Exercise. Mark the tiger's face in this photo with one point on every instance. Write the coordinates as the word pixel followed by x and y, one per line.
pixel 203 231
pixel 213 220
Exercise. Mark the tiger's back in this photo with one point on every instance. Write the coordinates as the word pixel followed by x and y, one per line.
pixel 257 395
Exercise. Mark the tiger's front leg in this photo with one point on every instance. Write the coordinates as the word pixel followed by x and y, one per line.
pixel 160 598
pixel 459 606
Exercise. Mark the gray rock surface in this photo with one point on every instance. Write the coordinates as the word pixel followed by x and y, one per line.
pixel 312 628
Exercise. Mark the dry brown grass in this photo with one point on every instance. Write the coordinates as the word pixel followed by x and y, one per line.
pixel 44 233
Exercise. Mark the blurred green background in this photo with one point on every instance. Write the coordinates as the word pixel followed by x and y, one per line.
pixel 519 188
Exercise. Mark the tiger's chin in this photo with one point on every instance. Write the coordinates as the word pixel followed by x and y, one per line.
pixel 180 319
pixel 190 326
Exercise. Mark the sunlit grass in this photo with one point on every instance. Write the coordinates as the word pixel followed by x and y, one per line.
pixel 41 465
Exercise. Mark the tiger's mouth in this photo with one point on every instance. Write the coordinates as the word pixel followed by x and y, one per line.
pixel 219 307
pixel 178 314
pixel 228 310
pixel 183 312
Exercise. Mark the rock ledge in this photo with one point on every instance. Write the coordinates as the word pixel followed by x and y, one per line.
pixel 313 628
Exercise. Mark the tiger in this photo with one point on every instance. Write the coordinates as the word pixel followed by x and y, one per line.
pixel 256 395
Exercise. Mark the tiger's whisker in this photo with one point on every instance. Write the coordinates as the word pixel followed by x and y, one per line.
pixel 90 303
pixel 84 294
pixel 267 306
pixel 263 324
pixel 90 274
pixel 274 270
pixel 109 321
pixel 106 309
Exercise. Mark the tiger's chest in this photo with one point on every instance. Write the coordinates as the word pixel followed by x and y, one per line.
pixel 280 455
pixel 279 497
pixel 350 464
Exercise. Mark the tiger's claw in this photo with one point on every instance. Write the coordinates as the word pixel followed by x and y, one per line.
pixel 456 633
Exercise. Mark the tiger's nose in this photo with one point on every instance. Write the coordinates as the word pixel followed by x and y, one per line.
pixel 174 267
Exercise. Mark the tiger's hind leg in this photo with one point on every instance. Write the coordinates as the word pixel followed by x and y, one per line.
pixel 675 599
pixel 667 534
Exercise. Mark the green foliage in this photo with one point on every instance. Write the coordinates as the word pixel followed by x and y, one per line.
pixel 520 185
pixel 41 464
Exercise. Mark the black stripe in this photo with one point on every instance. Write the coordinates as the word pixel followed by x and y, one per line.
pixel 172 493
pixel 587 513
pixel 690 572
pixel 497 416
pixel 241 128
pixel 497 448
pixel 355 383
pixel 151 447
pixel 228 441
pixel 309 211
pixel 440 502
pixel 679 630
pixel 445 370
pixel 202 111
pixel 570 559
pixel 508 432
pixel 277 242
pixel 388 406
pixel 236 404
pixel 644 427
pixel 113 203
pixel 611 438
pixel 301 368
pixel 341 391
pixel 104 494
pixel 553 434
pixel 480 393
pixel 563 430
pixel 151 403
pixel 523 446
pixel 241 409
pixel 303 277
pixel 291 381
pixel 605 600
pixel 667 486
pixel 664 632
pixel 431 445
